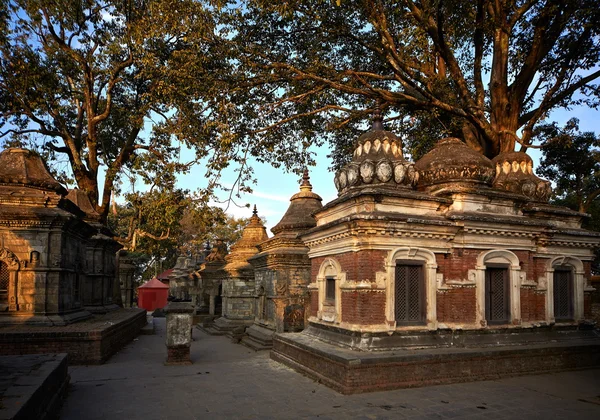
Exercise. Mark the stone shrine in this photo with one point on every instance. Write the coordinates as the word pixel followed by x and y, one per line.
pixel 452 251
pixel 42 248
pixel 101 259
pixel 282 272
pixel 126 272
pixel 209 277
pixel 238 279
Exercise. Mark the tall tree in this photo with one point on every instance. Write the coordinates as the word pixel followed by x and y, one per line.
pixel 571 159
pixel 310 68
pixel 89 79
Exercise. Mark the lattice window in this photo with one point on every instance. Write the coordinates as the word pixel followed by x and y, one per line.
pixel 497 307
pixel 330 288
pixel 4 280
pixel 563 294
pixel 409 294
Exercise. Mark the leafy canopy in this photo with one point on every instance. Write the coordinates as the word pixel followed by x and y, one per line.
pixel 485 70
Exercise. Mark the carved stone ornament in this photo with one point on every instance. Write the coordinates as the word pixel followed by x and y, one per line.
pixel 514 173
pixel 452 163
pixel 377 160
pixel 9 257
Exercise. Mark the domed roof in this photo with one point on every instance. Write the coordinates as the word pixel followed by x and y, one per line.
pixel 452 163
pixel 377 159
pixel 82 200
pixel 253 234
pixel 514 172
pixel 303 204
pixel 21 167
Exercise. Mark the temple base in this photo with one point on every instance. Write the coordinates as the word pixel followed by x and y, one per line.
pixel 352 371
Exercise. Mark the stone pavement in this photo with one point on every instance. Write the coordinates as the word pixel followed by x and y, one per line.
pixel 229 381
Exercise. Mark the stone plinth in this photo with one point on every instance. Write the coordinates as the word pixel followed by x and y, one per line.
pixel 91 341
pixel 179 333
pixel 34 386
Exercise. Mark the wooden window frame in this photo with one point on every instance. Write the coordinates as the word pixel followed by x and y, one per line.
pixel 422 293
pixel 571 292
pixel 507 305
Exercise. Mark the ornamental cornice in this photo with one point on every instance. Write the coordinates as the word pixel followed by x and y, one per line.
pixel 545 242
pixel 382 232
pixel 499 232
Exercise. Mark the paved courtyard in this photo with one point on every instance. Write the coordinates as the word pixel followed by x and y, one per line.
pixel 229 381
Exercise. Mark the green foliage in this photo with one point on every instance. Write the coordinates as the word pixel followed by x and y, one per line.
pixel 571 160
pixel 88 80
pixel 307 72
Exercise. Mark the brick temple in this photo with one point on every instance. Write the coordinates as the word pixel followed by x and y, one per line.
pixel 452 268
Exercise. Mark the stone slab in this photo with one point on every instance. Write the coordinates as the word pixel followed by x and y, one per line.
pixel 229 381
pixel 88 342
pixel 32 386
pixel 351 371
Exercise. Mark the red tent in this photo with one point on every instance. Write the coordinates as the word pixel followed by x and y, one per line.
pixel 153 295
pixel 164 276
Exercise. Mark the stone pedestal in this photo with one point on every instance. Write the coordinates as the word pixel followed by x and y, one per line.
pixel 179 333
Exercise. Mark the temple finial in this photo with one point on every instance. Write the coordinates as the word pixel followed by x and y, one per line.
pixel 255 212
pixel 377 117
pixel 305 184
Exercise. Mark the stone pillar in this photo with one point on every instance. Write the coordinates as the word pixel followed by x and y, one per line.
pixel 211 305
pixel 179 333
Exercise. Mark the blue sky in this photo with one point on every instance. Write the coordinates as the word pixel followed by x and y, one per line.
pixel 275 187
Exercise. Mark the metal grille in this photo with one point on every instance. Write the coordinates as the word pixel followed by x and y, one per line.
pixel 409 290
pixel 4 279
pixel 330 288
pixel 563 294
pixel 497 295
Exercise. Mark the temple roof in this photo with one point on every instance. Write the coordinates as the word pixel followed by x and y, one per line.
pixel 21 167
pixel 377 160
pixel 82 200
pixel 452 163
pixel 303 204
pixel 253 234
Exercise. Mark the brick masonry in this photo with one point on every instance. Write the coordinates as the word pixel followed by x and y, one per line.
pixel 456 305
pixel 356 373
pixel 363 307
pixel 87 342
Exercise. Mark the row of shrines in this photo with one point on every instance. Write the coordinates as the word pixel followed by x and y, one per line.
pixel 58 263
pixel 454 241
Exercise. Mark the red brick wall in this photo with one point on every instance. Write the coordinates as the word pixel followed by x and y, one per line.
pixel 358 266
pixel 363 307
pixel 457 305
pixel 456 266
pixel 533 305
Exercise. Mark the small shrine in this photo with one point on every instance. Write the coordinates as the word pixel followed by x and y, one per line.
pixel 238 285
pixel 282 272
pixel 42 245
pixel 209 277
pixel 453 251
pixel 101 258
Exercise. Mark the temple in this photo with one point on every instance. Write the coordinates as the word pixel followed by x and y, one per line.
pixel 456 263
